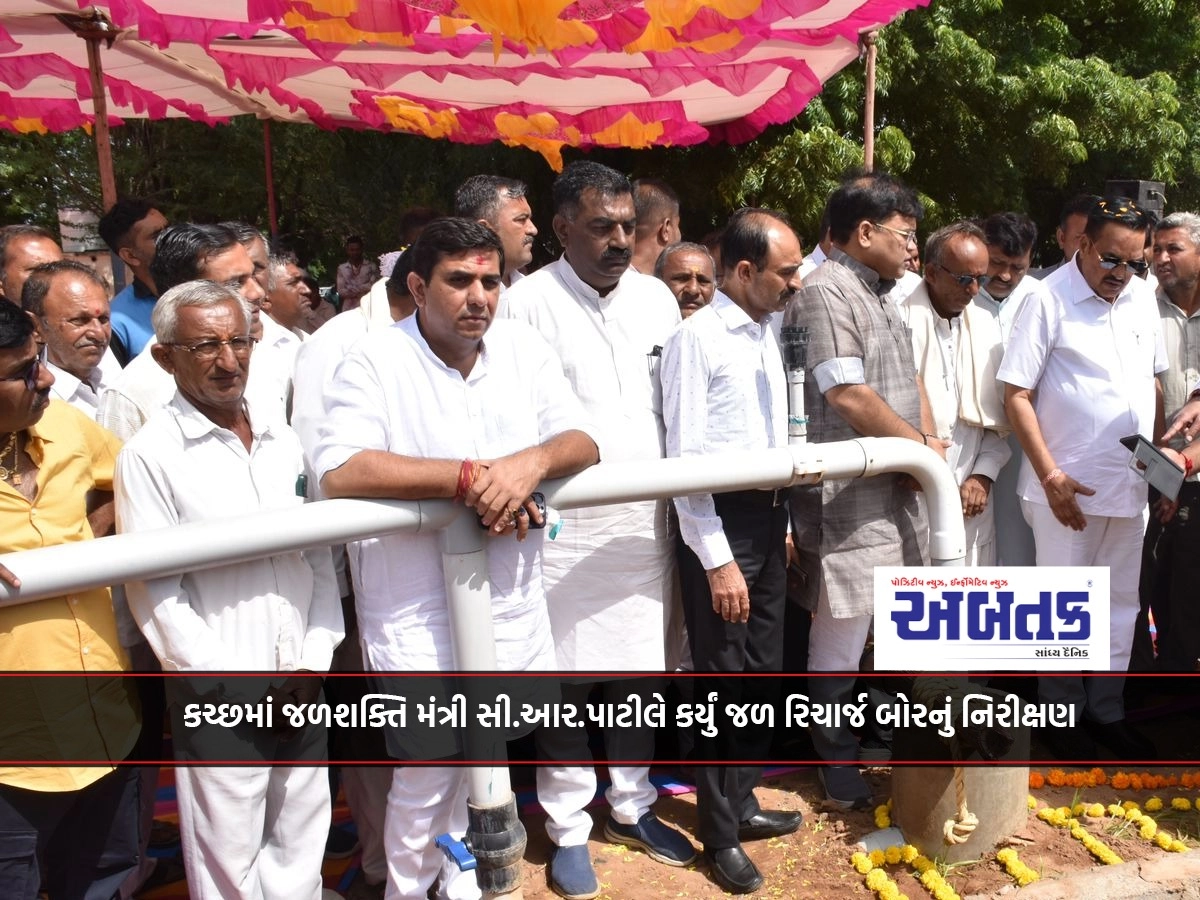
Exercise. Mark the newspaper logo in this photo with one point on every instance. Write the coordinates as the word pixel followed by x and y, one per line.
pixel 1037 619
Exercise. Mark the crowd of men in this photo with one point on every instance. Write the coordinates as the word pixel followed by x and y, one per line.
pixel 198 393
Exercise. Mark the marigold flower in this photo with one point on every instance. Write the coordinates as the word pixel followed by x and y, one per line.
pixel 1188 780
pixel 1178 846
pixel 1095 810
pixel 1120 781
pixel 861 863
pixel 1077 809
pixel 1135 782
pixel 1129 804
pixel 1148 829
pixel 1005 856
pixel 1031 802
pixel 892 855
pixel 1036 781
pixel 877 857
pixel 1163 840
pixel 1183 804
pixel 1056 777
pixel 1115 810
pixel 889 891
pixel 876 879
pixel 921 863
pixel 1154 804
pixel 1099 776
pixel 908 853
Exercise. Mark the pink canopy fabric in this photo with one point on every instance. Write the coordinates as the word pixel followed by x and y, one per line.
pixel 535 73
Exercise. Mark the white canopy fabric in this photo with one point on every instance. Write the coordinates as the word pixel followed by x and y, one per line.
pixel 534 73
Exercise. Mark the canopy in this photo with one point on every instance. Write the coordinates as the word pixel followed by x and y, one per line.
pixel 534 73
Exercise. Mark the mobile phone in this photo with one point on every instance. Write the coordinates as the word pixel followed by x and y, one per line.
pixel 540 500
pixel 1154 466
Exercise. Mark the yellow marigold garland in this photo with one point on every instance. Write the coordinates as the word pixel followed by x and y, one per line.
pixel 1017 870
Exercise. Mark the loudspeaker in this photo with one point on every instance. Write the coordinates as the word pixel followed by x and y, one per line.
pixel 1147 194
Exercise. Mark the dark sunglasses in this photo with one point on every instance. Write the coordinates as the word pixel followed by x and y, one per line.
pixel 1108 262
pixel 31 372
pixel 965 280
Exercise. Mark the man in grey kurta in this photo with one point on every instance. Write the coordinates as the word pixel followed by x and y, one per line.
pixel 862 382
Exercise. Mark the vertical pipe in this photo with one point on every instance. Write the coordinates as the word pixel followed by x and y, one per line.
pixel 108 183
pixel 494 833
pixel 269 166
pixel 869 104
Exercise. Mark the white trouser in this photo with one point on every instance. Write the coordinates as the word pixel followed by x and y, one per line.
pixel 424 802
pixel 566 791
pixel 366 789
pixel 836 645
pixel 253 833
pixel 1113 541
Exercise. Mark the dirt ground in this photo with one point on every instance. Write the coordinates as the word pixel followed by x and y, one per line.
pixel 814 863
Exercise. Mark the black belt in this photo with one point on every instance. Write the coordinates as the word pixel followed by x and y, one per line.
pixel 768 498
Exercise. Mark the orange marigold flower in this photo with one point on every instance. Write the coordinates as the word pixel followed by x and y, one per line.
pixel 1057 777
pixel 1099 776
pixel 1036 781
pixel 1120 781
pixel 1188 780
pixel 1135 781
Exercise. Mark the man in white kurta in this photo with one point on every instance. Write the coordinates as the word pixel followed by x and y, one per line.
pixel 1080 374
pixel 957 348
pixel 610 571
pixel 1010 238
pixel 255 832
pixel 410 412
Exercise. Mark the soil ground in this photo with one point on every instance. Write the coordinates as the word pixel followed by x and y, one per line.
pixel 814 863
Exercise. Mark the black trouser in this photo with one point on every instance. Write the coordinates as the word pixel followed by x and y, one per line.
pixel 755 524
pixel 1170 573
pixel 88 839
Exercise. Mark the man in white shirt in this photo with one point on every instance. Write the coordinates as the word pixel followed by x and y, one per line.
pixel 186 252
pixel 70 302
pixel 957 348
pixel 256 833
pixel 724 390
pixel 500 204
pixel 1080 373
pixel 365 787
pixel 1010 237
pixel 609 572
pixel 448 404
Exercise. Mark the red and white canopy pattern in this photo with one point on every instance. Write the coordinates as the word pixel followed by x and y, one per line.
pixel 534 73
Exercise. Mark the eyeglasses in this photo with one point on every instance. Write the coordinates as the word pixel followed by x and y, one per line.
pixel 965 280
pixel 207 351
pixel 910 237
pixel 1108 262
pixel 31 372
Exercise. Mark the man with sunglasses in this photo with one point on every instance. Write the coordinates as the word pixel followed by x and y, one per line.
pixel 78 825
pixel 957 348
pixel 256 832
pixel 1081 372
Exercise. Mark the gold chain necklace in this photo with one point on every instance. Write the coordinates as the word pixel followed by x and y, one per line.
pixel 10 452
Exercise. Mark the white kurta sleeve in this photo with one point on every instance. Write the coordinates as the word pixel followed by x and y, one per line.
pixel 1029 344
pixel 355 413
pixel 994 452
pixel 326 629
pixel 179 637
pixel 685 375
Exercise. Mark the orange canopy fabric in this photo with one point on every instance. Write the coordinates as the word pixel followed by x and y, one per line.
pixel 536 73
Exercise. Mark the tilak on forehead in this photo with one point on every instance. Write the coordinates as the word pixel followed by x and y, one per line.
pixel 482 259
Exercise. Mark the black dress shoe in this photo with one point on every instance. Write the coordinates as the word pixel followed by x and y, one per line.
pixel 733 870
pixel 1127 744
pixel 769 824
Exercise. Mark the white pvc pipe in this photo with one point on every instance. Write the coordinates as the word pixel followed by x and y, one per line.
pixel 55 571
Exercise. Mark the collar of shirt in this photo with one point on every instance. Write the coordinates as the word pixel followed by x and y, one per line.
pixel 194 425
pixel 1079 291
pixel 274 334
pixel 868 276
pixel 1168 309
pixel 411 326
pixel 736 319
pixel 582 289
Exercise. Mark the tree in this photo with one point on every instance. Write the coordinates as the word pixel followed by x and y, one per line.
pixel 987 105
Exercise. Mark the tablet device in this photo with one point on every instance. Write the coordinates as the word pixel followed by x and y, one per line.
pixel 1154 466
